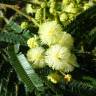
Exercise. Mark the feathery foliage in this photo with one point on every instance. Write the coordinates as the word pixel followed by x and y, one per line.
pixel 17 75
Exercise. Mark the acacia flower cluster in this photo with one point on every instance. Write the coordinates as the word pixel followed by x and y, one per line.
pixel 36 57
pixel 58 55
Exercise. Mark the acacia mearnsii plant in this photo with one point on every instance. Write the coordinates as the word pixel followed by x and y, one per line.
pixel 48 48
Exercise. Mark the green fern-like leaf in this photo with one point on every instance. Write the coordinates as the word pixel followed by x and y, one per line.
pixel 83 24
pixel 90 40
pixel 25 70
pixel 11 38
pixel 82 89
pixel 12 26
pixel 90 79
pixel 8 79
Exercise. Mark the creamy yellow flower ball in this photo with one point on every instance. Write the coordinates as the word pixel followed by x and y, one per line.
pixel 64 17
pixel 70 8
pixel 54 77
pixel 36 57
pixel 29 8
pixel 66 40
pixel 24 25
pixel 60 58
pixel 67 78
pixel 50 32
pixel 57 56
pixel 33 42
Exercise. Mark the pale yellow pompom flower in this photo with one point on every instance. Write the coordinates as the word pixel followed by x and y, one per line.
pixel 64 17
pixel 29 8
pixel 66 40
pixel 36 57
pixel 70 8
pixel 24 25
pixel 57 56
pixel 32 42
pixel 67 78
pixel 50 32
pixel 60 58
pixel 54 77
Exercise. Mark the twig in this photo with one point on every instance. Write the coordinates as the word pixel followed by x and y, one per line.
pixel 16 8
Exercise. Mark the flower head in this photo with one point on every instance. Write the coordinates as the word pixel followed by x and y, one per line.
pixel 67 78
pixel 24 25
pixel 60 58
pixel 66 40
pixel 32 42
pixel 64 17
pixel 50 32
pixel 71 8
pixel 54 77
pixel 29 8
pixel 56 57
pixel 36 57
